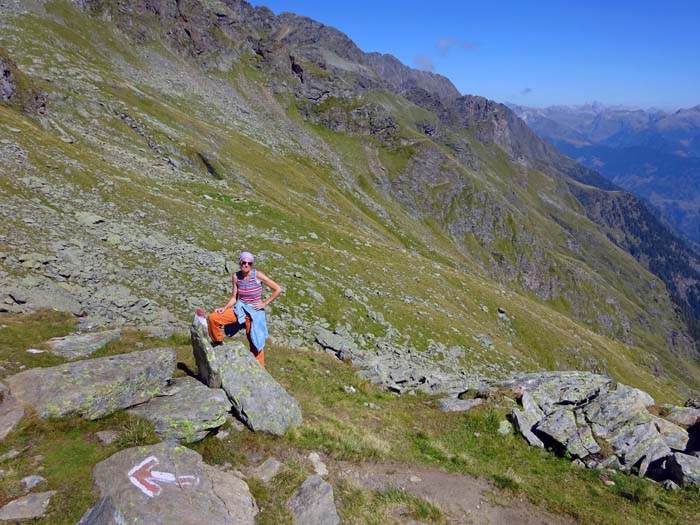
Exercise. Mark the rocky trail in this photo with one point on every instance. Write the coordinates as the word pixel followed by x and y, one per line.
pixel 598 424
pixel 463 499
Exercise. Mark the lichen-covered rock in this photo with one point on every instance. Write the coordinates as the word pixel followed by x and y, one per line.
pixel 613 409
pixel 313 503
pixel 11 411
pixel 81 345
pixel 258 400
pixel 207 359
pixel 685 416
pixel 567 388
pixel 685 469
pixel 186 411
pixel 561 426
pixel 674 436
pixel 95 388
pixel 167 484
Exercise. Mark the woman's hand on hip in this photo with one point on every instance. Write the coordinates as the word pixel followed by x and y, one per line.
pixel 260 305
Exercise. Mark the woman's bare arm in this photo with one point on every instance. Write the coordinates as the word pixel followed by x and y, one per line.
pixel 276 290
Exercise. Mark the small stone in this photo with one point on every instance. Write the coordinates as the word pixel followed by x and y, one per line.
pixel 35 351
pixel 267 470
pixel 29 482
pixel 107 437
pixel 414 479
pixel 319 466
pixel 313 503
pixel 349 389
pixel 26 508
pixel 670 485
pixel 222 434
pixel 313 235
pixel 349 294
pixel 505 428
pixel 10 454
pixel 372 406
pixel 606 480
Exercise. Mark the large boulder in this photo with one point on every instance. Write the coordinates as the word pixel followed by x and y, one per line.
pixel 78 345
pixel 561 426
pixel 167 484
pixel 685 469
pixel 313 503
pixel 11 411
pixel 96 387
pixel 186 411
pixel 258 400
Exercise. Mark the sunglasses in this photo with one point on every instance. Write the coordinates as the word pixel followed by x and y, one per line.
pixel 246 263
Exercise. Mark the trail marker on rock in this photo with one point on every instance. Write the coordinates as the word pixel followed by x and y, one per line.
pixel 143 477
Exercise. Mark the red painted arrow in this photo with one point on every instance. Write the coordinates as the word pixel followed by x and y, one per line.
pixel 146 479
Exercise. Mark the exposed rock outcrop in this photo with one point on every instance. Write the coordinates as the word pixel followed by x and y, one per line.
pixel 601 424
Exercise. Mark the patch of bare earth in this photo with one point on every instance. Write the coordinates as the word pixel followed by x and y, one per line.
pixel 462 499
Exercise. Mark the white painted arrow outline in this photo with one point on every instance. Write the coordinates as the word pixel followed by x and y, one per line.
pixel 143 477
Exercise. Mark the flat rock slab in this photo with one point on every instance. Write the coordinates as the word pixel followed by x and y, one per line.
pixel 258 400
pixel 167 484
pixel 80 345
pixel 11 411
pixel 96 387
pixel 313 503
pixel 453 404
pixel 189 413
pixel 26 508
pixel 267 470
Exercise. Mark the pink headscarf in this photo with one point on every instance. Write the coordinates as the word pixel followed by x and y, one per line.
pixel 246 256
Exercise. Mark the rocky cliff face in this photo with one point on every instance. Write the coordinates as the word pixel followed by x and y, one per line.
pixel 15 88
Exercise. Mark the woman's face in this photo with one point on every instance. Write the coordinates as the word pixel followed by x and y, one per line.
pixel 246 265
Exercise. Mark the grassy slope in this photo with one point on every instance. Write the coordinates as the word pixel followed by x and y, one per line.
pixel 356 248
pixel 406 429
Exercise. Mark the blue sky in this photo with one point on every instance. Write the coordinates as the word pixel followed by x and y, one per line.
pixel 643 53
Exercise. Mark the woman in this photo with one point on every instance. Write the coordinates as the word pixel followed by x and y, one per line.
pixel 246 306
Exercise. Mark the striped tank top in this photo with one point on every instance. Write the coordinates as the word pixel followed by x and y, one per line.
pixel 249 289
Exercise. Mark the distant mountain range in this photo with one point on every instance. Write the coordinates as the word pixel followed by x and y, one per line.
pixel 651 153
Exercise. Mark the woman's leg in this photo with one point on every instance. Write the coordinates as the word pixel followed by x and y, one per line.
pixel 259 356
pixel 216 323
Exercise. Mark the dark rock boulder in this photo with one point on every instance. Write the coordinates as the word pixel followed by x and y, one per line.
pixel 94 388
